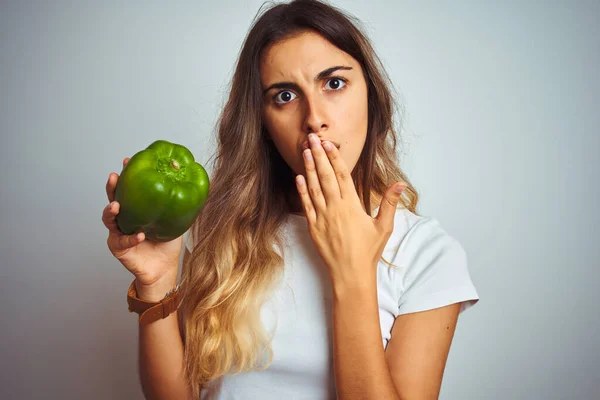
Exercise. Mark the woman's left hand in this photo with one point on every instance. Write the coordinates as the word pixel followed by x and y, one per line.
pixel 348 239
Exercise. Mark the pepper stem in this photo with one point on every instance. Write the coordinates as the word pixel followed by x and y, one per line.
pixel 175 164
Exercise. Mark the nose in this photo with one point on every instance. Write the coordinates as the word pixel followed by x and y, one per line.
pixel 315 119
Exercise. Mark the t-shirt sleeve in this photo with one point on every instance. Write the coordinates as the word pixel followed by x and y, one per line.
pixel 188 239
pixel 436 273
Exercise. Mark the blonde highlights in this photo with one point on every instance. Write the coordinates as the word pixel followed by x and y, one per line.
pixel 239 248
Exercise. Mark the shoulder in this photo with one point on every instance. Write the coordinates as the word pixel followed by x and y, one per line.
pixel 430 265
pixel 188 239
pixel 420 243
pixel 410 231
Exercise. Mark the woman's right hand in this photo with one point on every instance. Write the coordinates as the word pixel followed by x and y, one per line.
pixel 150 262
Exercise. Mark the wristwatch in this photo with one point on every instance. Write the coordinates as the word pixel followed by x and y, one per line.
pixel 152 311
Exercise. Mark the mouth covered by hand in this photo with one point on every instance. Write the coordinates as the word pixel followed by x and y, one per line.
pixel 305 144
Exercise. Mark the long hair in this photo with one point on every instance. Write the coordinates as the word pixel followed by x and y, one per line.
pixel 238 247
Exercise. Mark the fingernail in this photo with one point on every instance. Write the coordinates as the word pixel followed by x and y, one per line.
pixel 399 188
pixel 308 155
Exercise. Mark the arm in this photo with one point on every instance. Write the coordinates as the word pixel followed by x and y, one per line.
pixel 417 352
pixel 359 362
pixel 412 365
pixel 161 348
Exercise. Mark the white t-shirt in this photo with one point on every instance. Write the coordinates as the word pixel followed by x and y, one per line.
pixel 433 273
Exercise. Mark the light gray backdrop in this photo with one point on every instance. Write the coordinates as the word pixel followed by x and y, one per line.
pixel 501 138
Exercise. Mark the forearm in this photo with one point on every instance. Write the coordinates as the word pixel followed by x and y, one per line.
pixel 361 371
pixel 161 352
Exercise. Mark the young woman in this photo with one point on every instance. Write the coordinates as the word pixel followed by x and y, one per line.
pixel 309 273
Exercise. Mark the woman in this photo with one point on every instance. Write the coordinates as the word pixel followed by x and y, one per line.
pixel 308 272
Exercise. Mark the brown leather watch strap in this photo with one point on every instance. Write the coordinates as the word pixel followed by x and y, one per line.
pixel 152 311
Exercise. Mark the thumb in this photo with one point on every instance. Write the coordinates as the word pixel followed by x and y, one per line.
pixel 387 209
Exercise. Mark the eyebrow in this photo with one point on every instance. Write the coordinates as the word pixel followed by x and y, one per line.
pixel 321 75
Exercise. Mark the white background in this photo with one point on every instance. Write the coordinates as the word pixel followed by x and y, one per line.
pixel 500 138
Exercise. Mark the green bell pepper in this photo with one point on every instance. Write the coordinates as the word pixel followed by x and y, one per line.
pixel 161 191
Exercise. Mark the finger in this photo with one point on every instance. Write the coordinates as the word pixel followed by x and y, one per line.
pixel 325 172
pixel 117 241
pixel 109 217
pixel 307 204
pixel 111 183
pixel 342 174
pixel 389 204
pixel 120 243
pixel 314 187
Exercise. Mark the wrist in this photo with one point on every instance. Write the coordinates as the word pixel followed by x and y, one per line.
pixel 354 290
pixel 156 291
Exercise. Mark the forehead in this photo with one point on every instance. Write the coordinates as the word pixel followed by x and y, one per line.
pixel 305 54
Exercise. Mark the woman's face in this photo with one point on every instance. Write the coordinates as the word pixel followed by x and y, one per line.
pixel 311 86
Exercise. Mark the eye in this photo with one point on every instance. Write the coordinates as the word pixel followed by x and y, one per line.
pixel 285 95
pixel 339 83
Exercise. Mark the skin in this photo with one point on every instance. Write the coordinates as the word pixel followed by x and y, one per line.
pixel 332 109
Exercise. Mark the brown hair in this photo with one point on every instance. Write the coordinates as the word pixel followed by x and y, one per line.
pixel 239 249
